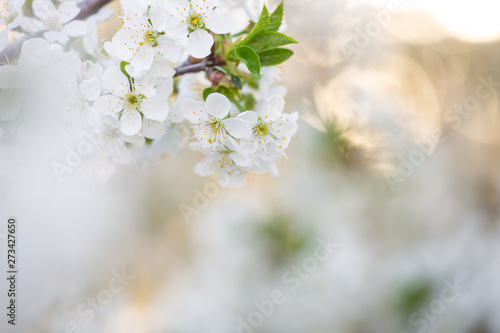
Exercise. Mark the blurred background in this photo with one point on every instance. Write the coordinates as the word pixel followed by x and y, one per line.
pixel 395 162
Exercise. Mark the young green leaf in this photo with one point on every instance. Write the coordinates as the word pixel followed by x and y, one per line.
pixel 231 94
pixel 237 82
pixel 207 92
pixel 259 27
pixel 274 57
pixel 249 57
pixel 270 40
pixel 249 102
pixel 276 18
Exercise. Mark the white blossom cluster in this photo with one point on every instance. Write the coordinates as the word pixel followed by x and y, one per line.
pixel 128 92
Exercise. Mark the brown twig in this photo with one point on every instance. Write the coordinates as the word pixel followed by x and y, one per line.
pixel 207 65
pixel 187 67
pixel 91 7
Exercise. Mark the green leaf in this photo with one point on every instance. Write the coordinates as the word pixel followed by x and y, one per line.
pixel 270 40
pixel 250 58
pixel 249 102
pixel 207 92
pixel 237 82
pixel 276 18
pixel 274 57
pixel 230 94
pixel 259 28
pixel 252 81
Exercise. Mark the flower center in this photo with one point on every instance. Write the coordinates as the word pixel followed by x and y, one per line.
pixel 195 21
pixel 7 14
pixel 216 126
pixel 133 100
pixel 151 38
pixel 261 129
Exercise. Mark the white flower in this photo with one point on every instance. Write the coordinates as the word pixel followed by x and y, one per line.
pixel 170 136
pixel 86 89
pixel 227 165
pixel 143 39
pixel 154 129
pixel 272 131
pixel 112 142
pixel 193 18
pixel 43 73
pixel 210 123
pixel 11 16
pixel 192 85
pixel 58 21
pixel 131 101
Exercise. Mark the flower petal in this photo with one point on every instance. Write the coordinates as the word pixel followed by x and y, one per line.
pixel 176 29
pixel 45 10
pixel 202 168
pixel 143 59
pixel 35 52
pixel 67 10
pixel 273 108
pixel 56 37
pixel 153 129
pixel 75 28
pixel 91 88
pixel 170 49
pixel 115 81
pixel 192 111
pixel 165 88
pixel 220 20
pixel 131 122
pixel 200 43
pixel 108 104
pixel 109 123
pixel 158 16
pixel 238 128
pixel 155 109
pixel 91 116
pixel 250 117
pixel 177 8
pixel 163 70
pixel 137 139
pixel 217 105
pixel 175 115
pixel 120 45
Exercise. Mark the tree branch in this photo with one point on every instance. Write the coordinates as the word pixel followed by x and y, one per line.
pixel 90 7
pixel 208 65
pixel 188 67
